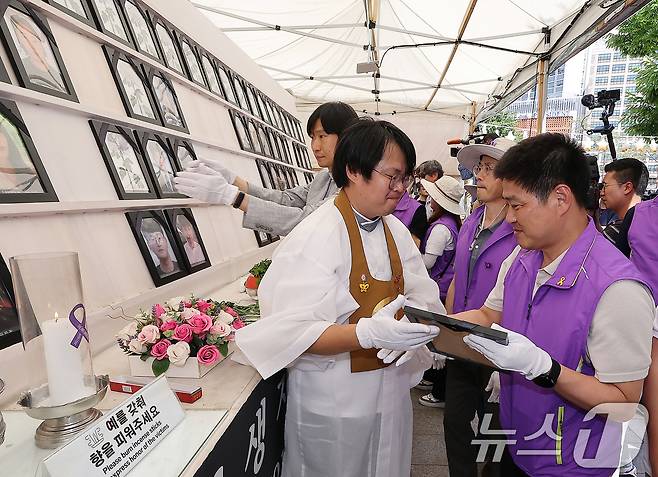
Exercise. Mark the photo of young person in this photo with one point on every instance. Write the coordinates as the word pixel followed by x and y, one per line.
pixel 161 253
pixel 135 90
pixel 141 30
pixel 35 51
pixel 191 246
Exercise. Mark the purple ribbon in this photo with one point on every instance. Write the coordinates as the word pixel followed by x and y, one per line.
pixel 81 326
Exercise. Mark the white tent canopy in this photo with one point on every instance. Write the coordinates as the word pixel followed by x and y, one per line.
pixel 455 57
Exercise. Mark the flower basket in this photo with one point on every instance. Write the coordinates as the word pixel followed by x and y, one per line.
pixel 184 338
pixel 191 369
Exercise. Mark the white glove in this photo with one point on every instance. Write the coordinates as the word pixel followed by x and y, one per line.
pixel 520 355
pixel 389 355
pixel 205 184
pixel 384 331
pixel 218 167
pixel 438 361
pixel 494 386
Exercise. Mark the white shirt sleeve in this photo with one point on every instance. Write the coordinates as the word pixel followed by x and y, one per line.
pixel 655 325
pixel 439 241
pixel 495 299
pixel 619 341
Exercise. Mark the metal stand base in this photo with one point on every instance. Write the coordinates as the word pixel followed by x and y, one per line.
pixel 53 433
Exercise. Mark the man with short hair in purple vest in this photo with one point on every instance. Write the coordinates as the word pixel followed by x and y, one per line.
pixel 578 315
pixel 643 241
pixel 484 241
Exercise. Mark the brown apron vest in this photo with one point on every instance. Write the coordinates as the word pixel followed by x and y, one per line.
pixel 369 293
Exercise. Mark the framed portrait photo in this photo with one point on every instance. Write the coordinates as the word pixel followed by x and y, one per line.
pixel 33 51
pixel 211 74
pixel 171 56
pixel 191 60
pixel 264 141
pixel 188 239
pixel 133 86
pixel 10 329
pixel 184 152
pixel 161 162
pixel 140 29
pixel 124 161
pixel 166 99
pixel 240 126
pixel 22 175
pixel 158 246
pixel 110 20
pixel 76 8
pixel 252 130
pixel 224 74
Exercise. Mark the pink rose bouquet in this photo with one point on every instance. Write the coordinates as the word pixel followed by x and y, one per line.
pixel 184 328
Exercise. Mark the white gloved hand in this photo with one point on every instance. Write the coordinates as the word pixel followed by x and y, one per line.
pixel 205 184
pixel 384 331
pixel 520 355
pixel 494 386
pixel 218 167
pixel 438 361
pixel 390 355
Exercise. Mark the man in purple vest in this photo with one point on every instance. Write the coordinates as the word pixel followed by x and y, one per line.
pixel 643 243
pixel 484 241
pixel 578 315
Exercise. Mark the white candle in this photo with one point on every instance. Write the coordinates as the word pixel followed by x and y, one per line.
pixel 63 362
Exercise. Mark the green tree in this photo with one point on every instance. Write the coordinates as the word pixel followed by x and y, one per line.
pixel 503 122
pixel 638 36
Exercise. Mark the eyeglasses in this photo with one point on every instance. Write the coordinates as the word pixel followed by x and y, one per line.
pixel 486 168
pixel 395 180
pixel 603 185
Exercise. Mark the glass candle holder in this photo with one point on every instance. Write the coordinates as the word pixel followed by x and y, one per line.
pixel 51 311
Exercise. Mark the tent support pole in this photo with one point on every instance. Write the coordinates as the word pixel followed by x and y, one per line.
pixel 542 88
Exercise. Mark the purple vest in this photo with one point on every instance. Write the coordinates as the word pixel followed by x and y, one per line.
pixel 558 320
pixel 406 209
pixel 471 292
pixel 443 270
pixel 642 237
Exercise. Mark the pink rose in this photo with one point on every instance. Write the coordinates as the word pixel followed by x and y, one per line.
pixel 183 333
pixel 149 334
pixel 158 310
pixel 202 306
pixel 188 313
pixel 187 304
pixel 159 349
pixel 231 312
pixel 169 325
pixel 220 329
pixel 237 324
pixel 200 323
pixel 208 354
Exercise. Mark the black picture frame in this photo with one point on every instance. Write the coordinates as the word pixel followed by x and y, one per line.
pixel 144 226
pixel 141 29
pixel 166 99
pixel 240 128
pixel 134 88
pixel 184 151
pixel 179 221
pixel 114 142
pixel 111 20
pixel 252 94
pixel 208 67
pixel 10 329
pixel 266 145
pixel 20 147
pixel 51 77
pixel 252 131
pixel 164 32
pixel 161 161
pixel 191 60
pixel 82 12
pixel 224 74
pixel 240 94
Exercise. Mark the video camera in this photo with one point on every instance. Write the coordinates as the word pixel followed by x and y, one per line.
pixel 605 99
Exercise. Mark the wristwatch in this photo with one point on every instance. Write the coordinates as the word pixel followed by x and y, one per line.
pixel 238 200
pixel 549 379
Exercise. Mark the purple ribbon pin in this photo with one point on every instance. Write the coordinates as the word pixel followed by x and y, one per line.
pixel 81 326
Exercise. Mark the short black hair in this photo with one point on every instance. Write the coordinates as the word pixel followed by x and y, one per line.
pixel 335 117
pixel 362 146
pixel 538 164
pixel 429 168
pixel 630 170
